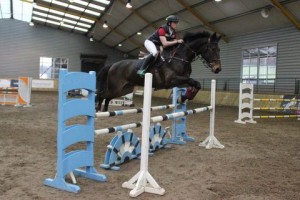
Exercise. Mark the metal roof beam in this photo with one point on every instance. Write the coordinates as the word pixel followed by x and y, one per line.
pixel 124 36
pixel 204 21
pixel 112 29
pixel 286 13
pixel 134 11
pixel 178 12
pixel 90 31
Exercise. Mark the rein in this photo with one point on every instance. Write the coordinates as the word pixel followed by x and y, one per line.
pixel 197 56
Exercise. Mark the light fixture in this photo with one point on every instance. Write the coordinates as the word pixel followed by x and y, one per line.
pixel 91 39
pixel 128 5
pixel 139 33
pixel 218 0
pixel 120 45
pixel 265 12
pixel 31 24
pixel 105 24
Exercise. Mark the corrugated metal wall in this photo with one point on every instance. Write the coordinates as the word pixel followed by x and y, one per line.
pixel 288 59
pixel 21 47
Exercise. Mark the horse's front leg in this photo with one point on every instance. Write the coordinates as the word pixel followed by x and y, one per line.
pixel 182 80
pixel 194 83
pixel 192 90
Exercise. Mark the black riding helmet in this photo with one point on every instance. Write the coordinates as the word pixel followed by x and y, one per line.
pixel 172 18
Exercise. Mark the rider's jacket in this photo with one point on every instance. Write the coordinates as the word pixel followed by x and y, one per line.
pixel 169 35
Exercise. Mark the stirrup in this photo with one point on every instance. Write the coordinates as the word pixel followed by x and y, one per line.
pixel 141 73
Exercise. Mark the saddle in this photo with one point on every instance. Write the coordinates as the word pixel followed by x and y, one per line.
pixel 161 57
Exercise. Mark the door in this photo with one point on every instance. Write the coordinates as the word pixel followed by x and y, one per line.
pixel 92 62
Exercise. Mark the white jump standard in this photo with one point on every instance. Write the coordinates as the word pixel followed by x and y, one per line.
pixel 143 181
pixel 246 108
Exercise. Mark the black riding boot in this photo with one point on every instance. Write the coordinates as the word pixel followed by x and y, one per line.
pixel 147 62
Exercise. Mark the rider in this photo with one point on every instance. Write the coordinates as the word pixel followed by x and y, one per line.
pixel 165 36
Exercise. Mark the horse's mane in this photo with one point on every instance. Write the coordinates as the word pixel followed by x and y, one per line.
pixel 189 36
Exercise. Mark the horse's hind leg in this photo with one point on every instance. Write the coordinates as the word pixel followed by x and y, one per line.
pixel 105 108
pixel 98 103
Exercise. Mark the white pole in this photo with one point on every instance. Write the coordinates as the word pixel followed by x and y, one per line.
pixel 213 104
pixel 211 141
pixel 146 122
pixel 143 181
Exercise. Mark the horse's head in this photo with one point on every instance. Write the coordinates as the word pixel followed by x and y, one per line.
pixel 205 46
pixel 211 54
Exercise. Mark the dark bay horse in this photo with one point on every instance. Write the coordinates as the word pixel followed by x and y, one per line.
pixel 173 70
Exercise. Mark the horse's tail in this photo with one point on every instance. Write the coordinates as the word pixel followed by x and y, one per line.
pixel 102 79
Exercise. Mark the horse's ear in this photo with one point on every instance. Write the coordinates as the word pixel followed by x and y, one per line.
pixel 219 36
pixel 215 37
pixel 212 37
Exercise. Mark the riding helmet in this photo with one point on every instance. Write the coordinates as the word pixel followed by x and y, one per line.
pixel 172 18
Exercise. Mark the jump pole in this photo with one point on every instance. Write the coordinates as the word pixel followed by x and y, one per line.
pixel 131 111
pixel 143 181
pixel 211 141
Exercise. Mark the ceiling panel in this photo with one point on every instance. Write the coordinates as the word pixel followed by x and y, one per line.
pixel 117 13
pixel 211 11
pixel 187 20
pixel 254 4
pixel 113 39
pixel 132 25
pixel 255 23
pixel 295 9
pixel 158 10
pixel 99 32
pixel 232 7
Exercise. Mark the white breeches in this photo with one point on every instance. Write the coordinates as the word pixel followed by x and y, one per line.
pixel 150 46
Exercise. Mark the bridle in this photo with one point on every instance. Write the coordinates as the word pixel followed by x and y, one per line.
pixel 197 55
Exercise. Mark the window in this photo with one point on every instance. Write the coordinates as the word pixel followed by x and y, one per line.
pixel 22 10
pixel 259 65
pixel 49 67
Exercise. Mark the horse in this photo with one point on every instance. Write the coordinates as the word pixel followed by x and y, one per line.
pixel 171 69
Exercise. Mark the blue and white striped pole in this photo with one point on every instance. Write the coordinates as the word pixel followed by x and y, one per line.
pixel 132 111
pixel 152 120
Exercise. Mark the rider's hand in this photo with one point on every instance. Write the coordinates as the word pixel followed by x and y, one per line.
pixel 180 41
